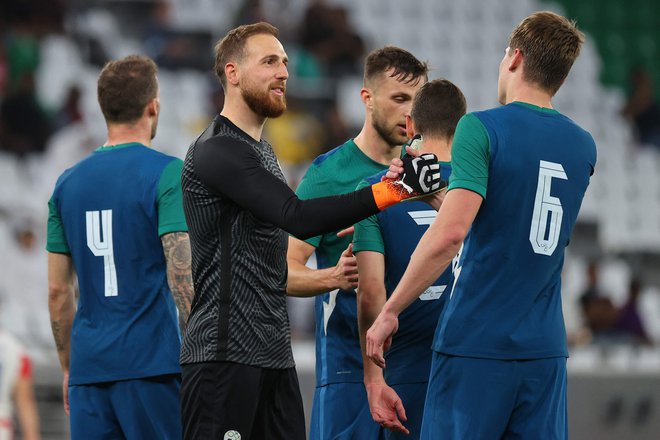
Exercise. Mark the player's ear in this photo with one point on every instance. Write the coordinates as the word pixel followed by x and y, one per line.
pixel 153 107
pixel 515 60
pixel 365 95
pixel 231 73
pixel 410 127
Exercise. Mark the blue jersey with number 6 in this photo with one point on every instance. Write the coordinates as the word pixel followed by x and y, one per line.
pixel 108 212
pixel 506 301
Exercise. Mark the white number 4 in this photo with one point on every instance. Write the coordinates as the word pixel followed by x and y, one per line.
pixel 546 219
pixel 99 241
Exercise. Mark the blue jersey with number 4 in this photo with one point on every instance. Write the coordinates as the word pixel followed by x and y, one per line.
pixel 506 301
pixel 108 212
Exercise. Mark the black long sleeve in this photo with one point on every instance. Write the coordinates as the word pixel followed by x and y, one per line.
pixel 233 169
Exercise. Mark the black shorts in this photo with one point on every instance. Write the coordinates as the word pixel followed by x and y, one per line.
pixel 227 401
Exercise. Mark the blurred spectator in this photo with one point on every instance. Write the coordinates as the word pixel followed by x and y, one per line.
pixel 24 125
pixel 297 138
pixel 608 323
pixel 4 71
pixel 629 323
pixel 70 112
pixel 16 390
pixel 642 108
pixel 326 33
pixel 600 314
pixel 250 11
pixel 24 282
pixel 171 48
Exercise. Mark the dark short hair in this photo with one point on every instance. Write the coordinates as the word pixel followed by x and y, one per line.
pixel 550 44
pixel 404 66
pixel 125 87
pixel 231 47
pixel 437 107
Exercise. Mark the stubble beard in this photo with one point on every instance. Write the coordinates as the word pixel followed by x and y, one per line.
pixel 389 136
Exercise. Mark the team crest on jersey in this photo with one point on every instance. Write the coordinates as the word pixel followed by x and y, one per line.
pixel 232 435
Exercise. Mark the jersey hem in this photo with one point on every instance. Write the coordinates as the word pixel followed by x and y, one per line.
pixel 502 357
pixel 119 378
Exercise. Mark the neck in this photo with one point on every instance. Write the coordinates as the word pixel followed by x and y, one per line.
pixel 139 132
pixel 374 146
pixel 238 112
pixel 441 147
pixel 531 95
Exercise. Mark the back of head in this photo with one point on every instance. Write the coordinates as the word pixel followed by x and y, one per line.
pixel 125 87
pixel 400 64
pixel 550 44
pixel 232 46
pixel 437 107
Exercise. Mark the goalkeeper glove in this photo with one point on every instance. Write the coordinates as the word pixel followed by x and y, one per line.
pixel 421 177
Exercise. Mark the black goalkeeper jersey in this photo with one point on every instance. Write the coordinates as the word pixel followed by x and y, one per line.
pixel 239 210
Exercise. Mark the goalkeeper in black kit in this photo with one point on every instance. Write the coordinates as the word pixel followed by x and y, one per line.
pixel 238 373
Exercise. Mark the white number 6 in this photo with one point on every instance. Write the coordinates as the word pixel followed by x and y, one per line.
pixel 547 210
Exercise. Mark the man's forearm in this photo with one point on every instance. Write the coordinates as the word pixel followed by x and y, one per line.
pixel 176 247
pixel 371 297
pixel 62 311
pixel 305 282
pixel 369 305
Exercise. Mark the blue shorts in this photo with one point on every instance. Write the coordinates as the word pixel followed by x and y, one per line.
pixel 412 396
pixel 341 412
pixel 130 409
pixel 485 399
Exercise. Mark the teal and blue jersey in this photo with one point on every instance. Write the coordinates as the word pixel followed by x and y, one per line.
pixel 532 167
pixel 338 354
pixel 395 233
pixel 109 212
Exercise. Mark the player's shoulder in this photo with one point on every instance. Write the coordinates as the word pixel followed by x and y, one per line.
pixel 334 157
pixel 222 142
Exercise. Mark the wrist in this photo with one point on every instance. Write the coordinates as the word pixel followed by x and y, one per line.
pixel 390 309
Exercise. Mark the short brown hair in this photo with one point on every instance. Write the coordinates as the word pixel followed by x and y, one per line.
pixel 405 67
pixel 232 45
pixel 550 44
pixel 437 107
pixel 125 87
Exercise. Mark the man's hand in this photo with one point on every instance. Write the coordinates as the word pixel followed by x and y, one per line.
pixel 65 394
pixel 346 270
pixel 379 336
pixel 396 166
pixel 386 407
pixel 417 177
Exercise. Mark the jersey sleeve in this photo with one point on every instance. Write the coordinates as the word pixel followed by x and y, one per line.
pixel 470 156
pixel 309 189
pixel 170 200
pixel 55 240
pixel 233 169
pixel 368 235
